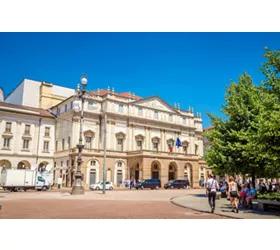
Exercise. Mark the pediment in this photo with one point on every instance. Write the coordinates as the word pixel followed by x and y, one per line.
pixel 155 103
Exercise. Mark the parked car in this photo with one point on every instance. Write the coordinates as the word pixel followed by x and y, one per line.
pixel 176 184
pixel 98 186
pixel 150 183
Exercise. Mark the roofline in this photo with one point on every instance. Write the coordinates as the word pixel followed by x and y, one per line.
pixel 156 96
pixel 14 88
pixel 34 81
pixel 61 102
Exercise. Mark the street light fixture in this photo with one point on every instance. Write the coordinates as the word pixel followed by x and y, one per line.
pixel 78 188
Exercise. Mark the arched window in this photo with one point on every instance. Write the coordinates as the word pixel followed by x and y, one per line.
pixel 119 164
pixel 93 163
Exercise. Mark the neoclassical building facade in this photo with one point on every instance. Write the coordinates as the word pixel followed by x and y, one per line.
pixel 26 136
pixel 140 133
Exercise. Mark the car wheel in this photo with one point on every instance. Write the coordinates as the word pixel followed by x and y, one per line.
pixel 142 187
pixel 171 187
pixel 44 188
pixel 97 188
pixel 157 187
pixel 184 187
pixel 111 188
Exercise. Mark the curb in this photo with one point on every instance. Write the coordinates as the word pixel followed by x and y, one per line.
pixel 198 210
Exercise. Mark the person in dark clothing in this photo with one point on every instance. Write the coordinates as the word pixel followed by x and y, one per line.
pixel 211 189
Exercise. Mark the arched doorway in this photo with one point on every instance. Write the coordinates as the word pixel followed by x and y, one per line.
pixel 119 172
pixel 134 172
pixel 92 171
pixel 42 166
pixel 188 173
pixel 23 165
pixel 172 171
pixel 5 164
pixel 155 171
pixel 202 176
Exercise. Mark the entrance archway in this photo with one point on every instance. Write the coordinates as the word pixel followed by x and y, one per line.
pixel 188 175
pixel 92 171
pixel 172 171
pixel 5 164
pixel 155 170
pixel 42 166
pixel 134 172
pixel 24 165
pixel 119 172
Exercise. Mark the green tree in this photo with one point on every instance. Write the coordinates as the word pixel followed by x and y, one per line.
pixel 248 141
pixel 232 140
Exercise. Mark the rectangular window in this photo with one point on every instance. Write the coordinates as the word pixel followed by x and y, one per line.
pixel 56 144
pixel 47 131
pixel 185 149
pixel 156 115
pixel 27 130
pixel 139 145
pixel 140 111
pixel 6 144
pixel 121 108
pixel 92 105
pixel 196 150
pixel 61 163
pixel 73 162
pixel 58 111
pixel 120 144
pixel 67 163
pixel 25 144
pixel 8 127
pixel 184 120
pixel 155 146
pixel 88 142
pixel 71 105
pixel 46 146
pixel 65 108
pixel 170 118
pixel 63 144
pixel 69 142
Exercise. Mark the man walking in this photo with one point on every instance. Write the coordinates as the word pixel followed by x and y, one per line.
pixel 211 188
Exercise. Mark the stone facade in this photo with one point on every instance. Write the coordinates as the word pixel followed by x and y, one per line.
pixel 26 136
pixel 140 132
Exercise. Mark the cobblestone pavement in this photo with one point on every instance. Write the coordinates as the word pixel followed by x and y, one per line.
pixel 144 204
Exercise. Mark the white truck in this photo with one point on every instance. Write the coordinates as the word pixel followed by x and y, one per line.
pixel 23 179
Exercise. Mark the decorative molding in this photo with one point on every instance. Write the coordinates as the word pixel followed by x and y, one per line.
pixel 155 139
pixel 120 135
pixel 139 137
pixel 89 133
pixel 18 122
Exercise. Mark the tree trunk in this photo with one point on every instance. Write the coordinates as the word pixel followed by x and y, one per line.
pixel 254 178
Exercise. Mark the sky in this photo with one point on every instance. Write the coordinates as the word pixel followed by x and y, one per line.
pixel 191 69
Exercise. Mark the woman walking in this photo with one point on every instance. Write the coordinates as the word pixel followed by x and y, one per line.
pixel 233 194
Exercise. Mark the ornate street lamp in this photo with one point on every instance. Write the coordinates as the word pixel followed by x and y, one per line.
pixel 78 188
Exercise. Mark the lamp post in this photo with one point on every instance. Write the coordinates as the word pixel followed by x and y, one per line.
pixel 78 188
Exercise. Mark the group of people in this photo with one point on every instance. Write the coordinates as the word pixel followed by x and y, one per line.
pixel 239 194
pixel 129 183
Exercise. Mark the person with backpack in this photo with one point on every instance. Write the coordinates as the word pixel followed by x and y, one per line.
pixel 211 189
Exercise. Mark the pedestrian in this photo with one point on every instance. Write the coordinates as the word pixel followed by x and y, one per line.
pixel 120 183
pixel 211 189
pixel 131 183
pixel 233 194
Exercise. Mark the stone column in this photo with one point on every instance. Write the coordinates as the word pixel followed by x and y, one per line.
pixel 18 143
pixel 133 138
pixel 164 140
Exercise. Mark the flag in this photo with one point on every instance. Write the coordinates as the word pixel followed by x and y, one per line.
pixel 178 142
pixel 170 149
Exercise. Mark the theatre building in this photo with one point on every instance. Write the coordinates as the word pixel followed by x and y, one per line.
pixel 140 139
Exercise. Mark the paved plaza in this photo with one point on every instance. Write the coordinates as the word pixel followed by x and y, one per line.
pixel 130 204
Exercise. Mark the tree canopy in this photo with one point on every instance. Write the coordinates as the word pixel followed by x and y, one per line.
pixel 248 140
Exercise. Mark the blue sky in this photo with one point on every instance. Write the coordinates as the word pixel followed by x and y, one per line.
pixel 192 69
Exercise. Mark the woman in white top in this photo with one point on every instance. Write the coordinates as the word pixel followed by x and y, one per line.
pixel 233 194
